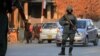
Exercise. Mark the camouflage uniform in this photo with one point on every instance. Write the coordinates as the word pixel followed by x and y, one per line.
pixel 68 31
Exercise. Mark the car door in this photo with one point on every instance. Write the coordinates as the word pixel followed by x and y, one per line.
pixel 94 30
pixel 89 30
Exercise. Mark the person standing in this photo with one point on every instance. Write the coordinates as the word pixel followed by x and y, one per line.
pixel 28 32
pixel 37 32
pixel 68 22
pixel 6 6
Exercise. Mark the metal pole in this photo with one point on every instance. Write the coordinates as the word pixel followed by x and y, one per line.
pixel 42 10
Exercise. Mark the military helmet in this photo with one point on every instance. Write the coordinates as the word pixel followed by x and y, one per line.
pixel 69 9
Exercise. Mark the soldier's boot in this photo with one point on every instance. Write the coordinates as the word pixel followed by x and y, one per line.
pixel 62 51
pixel 70 50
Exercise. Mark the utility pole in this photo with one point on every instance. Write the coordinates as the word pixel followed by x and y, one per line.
pixel 42 12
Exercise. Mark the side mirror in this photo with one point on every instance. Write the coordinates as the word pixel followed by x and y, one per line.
pixel 89 27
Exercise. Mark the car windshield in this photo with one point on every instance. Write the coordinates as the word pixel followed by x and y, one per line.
pixel 81 24
pixel 50 25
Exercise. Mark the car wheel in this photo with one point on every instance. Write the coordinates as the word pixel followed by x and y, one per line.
pixel 58 44
pixel 85 42
pixel 95 42
pixel 49 41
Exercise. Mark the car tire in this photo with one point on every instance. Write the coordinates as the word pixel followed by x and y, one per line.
pixel 85 42
pixel 49 41
pixel 58 44
pixel 95 42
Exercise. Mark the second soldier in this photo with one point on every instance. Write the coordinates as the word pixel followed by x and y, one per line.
pixel 68 22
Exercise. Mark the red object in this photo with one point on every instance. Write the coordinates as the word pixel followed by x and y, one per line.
pixel 31 28
pixel 39 27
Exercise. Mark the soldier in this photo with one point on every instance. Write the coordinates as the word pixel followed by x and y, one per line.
pixel 68 22
pixel 6 7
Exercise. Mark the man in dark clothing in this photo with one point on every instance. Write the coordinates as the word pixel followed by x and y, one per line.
pixel 6 7
pixel 69 28
pixel 28 33
pixel 36 30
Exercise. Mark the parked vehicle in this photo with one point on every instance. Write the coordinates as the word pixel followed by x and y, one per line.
pixel 99 33
pixel 86 33
pixel 48 32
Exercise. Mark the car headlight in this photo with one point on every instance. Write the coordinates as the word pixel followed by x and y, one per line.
pixel 78 36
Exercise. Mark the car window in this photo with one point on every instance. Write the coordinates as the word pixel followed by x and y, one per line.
pixel 50 25
pixel 90 24
pixel 58 25
pixel 81 24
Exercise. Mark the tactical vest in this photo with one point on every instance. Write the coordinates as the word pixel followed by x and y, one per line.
pixel 72 19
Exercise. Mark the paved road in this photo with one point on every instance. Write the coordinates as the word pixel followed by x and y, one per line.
pixel 50 50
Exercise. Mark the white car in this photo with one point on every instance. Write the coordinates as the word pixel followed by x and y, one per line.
pixel 48 32
pixel 86 33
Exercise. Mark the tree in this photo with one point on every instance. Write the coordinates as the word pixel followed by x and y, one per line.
pixel 85 8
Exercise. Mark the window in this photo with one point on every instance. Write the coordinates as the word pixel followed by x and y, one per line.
pixel 81 24
pixel 50 25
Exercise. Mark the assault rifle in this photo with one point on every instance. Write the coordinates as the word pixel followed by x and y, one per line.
pixel 70 22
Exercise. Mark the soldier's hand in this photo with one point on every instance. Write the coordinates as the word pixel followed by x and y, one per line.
pixel 67 22
pixel 74 28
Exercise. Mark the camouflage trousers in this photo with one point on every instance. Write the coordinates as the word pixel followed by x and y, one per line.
pixel 65 37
